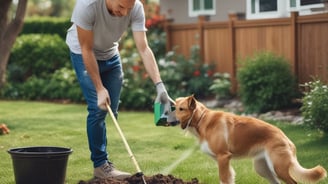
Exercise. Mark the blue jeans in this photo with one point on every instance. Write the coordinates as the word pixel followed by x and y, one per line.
pixel 112 78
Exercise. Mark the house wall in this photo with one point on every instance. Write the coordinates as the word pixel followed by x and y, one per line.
pixel 302 40
pixel 177 10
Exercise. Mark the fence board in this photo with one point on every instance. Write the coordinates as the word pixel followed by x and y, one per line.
pixel 273 38
pixel 183 38
pixel 313 58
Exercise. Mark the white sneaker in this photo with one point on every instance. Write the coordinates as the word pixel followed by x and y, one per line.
pixel 108 170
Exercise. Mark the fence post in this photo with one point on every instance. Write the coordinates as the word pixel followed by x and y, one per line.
pixel 232 57
pixel 294 45
pixel 201 20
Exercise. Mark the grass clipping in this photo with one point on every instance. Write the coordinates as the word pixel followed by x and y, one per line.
pixel 135 179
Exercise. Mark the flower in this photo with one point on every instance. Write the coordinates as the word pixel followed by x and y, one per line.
pixel 153 16
pixel 154 21
pixel 136 68
pixel 196 73
pixel 210 73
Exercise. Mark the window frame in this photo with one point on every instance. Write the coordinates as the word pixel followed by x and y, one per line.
pixel 193 13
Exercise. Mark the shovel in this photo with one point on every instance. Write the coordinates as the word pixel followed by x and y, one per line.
pixel 139 172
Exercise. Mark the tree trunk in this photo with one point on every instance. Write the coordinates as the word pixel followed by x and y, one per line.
pixel 8 33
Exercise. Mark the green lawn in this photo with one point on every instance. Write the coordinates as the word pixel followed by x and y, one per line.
pixel 157 149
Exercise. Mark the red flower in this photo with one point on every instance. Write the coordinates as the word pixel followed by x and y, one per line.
pixel 149 23
pixel 196 73
pixel 135 68
pixel 156 19
pixel 153 21
pixel 210 73
pixel 145 75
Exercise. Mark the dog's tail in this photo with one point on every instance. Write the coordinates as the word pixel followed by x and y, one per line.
pixel 304 175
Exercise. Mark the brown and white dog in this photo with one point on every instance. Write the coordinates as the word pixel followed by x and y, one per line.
pixel 225 136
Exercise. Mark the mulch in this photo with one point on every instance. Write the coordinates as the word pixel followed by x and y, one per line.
pixel 137 179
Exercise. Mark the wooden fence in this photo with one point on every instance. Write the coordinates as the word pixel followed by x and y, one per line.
pixel 302 40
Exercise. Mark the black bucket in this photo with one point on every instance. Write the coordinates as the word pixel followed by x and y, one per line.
pixel 40 165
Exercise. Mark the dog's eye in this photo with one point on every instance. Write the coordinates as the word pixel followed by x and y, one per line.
pixel 181 109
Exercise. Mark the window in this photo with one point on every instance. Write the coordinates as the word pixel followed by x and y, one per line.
pixel 304 6
pixel 266 8
pixel 310 2
pixel 268 5
pixel 259 9
pixel 201 7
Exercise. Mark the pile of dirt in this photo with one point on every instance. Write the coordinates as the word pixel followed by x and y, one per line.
pixel 136 179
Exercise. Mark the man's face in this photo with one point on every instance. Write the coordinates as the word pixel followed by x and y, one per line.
pixel 119 8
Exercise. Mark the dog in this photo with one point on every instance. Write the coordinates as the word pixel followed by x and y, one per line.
pixel 225 136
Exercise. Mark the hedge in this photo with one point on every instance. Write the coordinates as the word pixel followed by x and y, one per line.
pixel 46 25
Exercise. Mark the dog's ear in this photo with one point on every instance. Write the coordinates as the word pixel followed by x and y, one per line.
pixel 192 102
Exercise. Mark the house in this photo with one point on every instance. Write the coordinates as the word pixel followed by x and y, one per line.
pixel 187 11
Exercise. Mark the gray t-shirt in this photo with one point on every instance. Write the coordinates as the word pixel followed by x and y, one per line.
pixel 107 29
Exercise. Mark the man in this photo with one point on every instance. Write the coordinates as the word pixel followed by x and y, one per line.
pixel 93 41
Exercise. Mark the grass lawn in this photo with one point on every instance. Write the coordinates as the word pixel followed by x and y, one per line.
pixel 157 149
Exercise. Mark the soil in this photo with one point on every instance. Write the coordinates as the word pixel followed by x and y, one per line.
pixel 137 179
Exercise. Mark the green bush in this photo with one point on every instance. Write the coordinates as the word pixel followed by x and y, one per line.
pixel 265 83
pixel 138 90
pixel 221 86
pixel 32 89
pixel 37 54
pixel 315 105
pixel 61 85
pixel 184 76
pixel 157 42
pixel 38 70
pixel 46 25
pixel 181 77
pixel 173 69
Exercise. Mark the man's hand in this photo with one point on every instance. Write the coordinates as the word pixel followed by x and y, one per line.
pixel 163 98
pixel 103 99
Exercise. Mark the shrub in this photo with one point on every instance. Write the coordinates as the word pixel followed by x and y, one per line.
pixel 221 86
pixel 181 77
pixel 173 69
pixel 61 85
pixel 10 91
pixel 46 25
pixel 138 90
pixel 37 54
pixel 315 105
pixel 184 76
pixel 265 83
pixel 38 70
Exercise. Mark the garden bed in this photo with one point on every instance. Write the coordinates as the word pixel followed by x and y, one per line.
pixel 156 179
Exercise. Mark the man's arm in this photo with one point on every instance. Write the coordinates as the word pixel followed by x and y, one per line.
pixel 147 56
pixel 86 42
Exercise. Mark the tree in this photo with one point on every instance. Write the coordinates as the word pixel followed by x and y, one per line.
pixel 10 27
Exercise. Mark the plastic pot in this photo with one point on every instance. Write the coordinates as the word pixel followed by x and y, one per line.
pixel 40 165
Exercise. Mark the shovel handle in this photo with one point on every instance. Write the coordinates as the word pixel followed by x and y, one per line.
pixel 123 138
